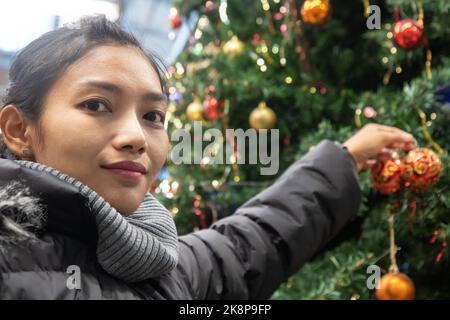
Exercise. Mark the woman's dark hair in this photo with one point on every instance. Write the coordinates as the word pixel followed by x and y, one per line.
pixel 37 66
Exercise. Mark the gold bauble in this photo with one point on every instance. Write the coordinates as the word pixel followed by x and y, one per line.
pixel 262 117
pixel 194 110
pixel 233 47
pixel 316 12
pixel 395 286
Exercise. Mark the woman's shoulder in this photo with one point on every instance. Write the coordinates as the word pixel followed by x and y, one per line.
pixel 55 266
pixel 33 262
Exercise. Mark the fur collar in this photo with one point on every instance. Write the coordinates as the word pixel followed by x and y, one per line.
pixel 21 213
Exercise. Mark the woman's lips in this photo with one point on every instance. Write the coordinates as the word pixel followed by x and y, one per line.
pixel 131 175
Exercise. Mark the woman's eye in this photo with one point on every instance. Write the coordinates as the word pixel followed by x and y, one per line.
pixel 94 105
pixel 155 117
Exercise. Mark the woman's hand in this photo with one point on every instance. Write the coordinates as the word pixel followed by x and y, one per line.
pixel 373 140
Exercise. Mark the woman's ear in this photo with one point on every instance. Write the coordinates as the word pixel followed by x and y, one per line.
pixel 16 132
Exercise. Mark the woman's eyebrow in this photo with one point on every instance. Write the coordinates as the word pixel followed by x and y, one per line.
pixel 155 96
pixel 150 95
pixel 102 85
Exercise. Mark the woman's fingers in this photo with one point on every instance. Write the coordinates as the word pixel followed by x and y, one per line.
pixel 394 130
pixel 373 140
pixel 398 139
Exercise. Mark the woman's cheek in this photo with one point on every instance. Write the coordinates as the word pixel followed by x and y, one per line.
pixel 159 149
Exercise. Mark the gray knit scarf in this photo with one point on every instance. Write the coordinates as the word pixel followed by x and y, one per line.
pixel 134 248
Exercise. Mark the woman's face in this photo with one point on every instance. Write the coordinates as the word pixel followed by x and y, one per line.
pixel 107 107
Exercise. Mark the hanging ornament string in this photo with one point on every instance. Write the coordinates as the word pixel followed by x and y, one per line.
pixel 393 268
pixel 427 134
pixel 428 59
pixel 366 8
pixel 426 43
pixel 420 16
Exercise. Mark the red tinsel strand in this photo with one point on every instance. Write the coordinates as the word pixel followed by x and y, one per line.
pixel 412 217
pixel 396 13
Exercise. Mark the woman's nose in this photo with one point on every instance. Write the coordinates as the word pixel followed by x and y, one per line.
pixel 131 135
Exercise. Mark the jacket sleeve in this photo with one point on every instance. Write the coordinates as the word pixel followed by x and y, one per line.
pixel 250 254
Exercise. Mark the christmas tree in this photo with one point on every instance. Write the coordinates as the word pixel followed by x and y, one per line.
pixel 315 70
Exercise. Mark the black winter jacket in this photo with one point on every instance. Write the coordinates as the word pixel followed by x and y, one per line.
pixel 243 256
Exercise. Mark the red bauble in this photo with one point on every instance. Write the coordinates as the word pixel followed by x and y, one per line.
pixel 422 169
pixel 211 108
pixel 175 21
pixel 385 175
pixel 408 35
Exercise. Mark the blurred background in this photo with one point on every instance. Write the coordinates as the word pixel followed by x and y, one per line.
pixel 21 21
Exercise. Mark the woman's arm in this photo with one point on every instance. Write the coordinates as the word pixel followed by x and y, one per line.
pixel 249 254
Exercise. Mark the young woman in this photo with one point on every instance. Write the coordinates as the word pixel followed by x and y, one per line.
pixel 82 140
